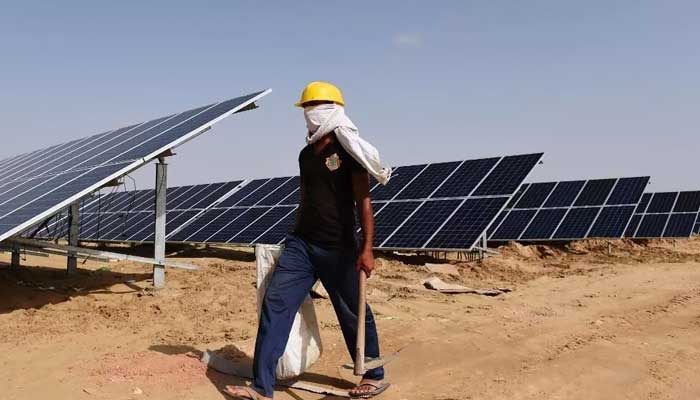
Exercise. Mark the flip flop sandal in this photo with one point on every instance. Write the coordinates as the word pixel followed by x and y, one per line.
pixel 379 388
pixel 250 394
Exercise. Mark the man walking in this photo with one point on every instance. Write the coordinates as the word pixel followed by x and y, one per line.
pixel 334 171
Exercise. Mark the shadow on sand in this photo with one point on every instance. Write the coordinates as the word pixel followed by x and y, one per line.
pixel 233 353
pixel 34 286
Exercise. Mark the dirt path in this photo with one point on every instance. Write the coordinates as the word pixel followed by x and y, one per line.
pixel 580 324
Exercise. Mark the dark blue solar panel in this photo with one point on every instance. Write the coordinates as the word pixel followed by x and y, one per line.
pixel 147 233
pixel 243 192
pixel 260 226
pixel 595 192
pixel 262 192
pixel 422 224
pixel 222 221
pixel 518 194
pixel 236 226
pixel 643 203
pixel 564 194
pixel 102 226
pixel 508 175
pixel 135 223
pixel 196 192
pixel 628 190
pixel 466 177
pixel 680 225
pixel 197 196
pixel 90 224
pixel 399 179
pixel 40 200
pixel 281 193
pixel 576 223
pixel 468 223
pixel 634 224
pixel 279 231
pixel 652 226
pixel 514 225
pixel 203 221
pixel 390 217
pixel 496 223
pixel 687 202
pixel 611 222
pixel 535 195
pixel 293 199
pixel 92 161
pixel 141 200
pixel 544 224
pixel 106 203
pixel 174 220
pixel 428 181
pixel 215 194
pixel 662 202
pixel 697 228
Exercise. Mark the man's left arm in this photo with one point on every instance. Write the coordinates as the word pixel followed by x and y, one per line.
pixel 360 186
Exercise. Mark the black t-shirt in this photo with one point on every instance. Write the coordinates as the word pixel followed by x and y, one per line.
pixel 326 215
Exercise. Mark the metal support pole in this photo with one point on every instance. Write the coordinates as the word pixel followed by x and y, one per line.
pixel 73 232
pixel 15 257
pixel 484 245
pixel 159 240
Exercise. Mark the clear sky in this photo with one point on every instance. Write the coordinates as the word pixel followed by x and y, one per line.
pixel 604 88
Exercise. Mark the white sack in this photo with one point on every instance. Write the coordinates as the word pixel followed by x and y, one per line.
pixel 304 344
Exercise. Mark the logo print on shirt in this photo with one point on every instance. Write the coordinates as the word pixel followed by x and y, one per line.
pixel 333 162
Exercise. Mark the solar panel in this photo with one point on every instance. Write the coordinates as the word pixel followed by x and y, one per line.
pixel 513 225
pixel 468 223
pixel 390 218
pixel 422 224
pixel 129 216
pixel 426 183
pixel 612 222
pixel 400 177
pixel 665 214
pixel 535 195
pixel 544 224
pixel 422 205
pixel 571 210
pixel 36 186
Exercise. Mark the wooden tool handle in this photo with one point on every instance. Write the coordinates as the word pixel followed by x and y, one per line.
pixel 360 344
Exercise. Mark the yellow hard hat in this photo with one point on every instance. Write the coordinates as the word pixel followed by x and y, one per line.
pixel 320 91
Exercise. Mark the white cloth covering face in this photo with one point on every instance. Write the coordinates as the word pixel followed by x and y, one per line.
pixel 326 118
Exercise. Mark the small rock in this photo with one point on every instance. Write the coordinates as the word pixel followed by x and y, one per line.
pixel 137 391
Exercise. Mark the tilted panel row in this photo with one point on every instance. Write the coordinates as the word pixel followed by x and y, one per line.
pixel 570 210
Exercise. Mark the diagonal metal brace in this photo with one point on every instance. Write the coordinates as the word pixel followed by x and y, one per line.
pixel 100 253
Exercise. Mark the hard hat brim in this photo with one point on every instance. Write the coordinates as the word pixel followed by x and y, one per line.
pixel 301 104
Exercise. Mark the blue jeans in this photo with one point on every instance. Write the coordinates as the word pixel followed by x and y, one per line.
pixel 299 266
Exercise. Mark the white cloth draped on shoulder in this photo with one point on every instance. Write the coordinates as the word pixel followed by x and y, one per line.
pixel 326 118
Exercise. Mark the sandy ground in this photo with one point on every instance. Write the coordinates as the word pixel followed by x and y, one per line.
pixel 579 324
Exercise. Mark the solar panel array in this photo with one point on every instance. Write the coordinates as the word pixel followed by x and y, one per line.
pixel 129 216
pixel 570 210
pixel 36 185
pixel 429 206
pixel 665 214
